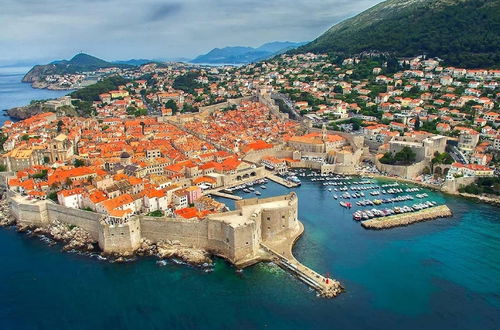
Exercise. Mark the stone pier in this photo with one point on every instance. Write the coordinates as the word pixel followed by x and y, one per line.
pixel 405 219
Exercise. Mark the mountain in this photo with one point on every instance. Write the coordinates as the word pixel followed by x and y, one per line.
pixel 279 46
pixel 242 55
pixel 79 63
pixel 461 32
pixel 134 62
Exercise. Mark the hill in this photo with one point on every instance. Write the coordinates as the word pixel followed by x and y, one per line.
pixel 461 32
pixel 79 63
pixel 134 61
pixel 243 55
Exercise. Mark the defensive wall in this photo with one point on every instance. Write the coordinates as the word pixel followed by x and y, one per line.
pixel 407 172
pixel 236 235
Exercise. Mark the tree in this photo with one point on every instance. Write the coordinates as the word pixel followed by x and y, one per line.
pixel 172 105
pixel 417 123
pixel 52 196
pixel 40 175
pixel 157 213
pixel 187 82
pixel 60 124
pixel 404 157
pixel 3 138
pixel 78 163
pixel 91 92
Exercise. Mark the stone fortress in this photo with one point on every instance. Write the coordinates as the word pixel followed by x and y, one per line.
pixel 257 230
pixel 234 235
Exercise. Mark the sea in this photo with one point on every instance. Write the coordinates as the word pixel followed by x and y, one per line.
pixel 14 93
pixel 441 274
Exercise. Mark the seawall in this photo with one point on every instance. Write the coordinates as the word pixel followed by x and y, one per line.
pixel 406 219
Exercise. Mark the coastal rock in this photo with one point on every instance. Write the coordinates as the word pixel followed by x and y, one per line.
pixel 74 238
pixel 26 112
pixel 6 218
pixel 37 108
pixel 187 254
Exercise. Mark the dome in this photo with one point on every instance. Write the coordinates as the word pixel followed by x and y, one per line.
pixel 125 155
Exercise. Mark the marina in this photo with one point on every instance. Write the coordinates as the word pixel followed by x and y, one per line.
pixel 332 242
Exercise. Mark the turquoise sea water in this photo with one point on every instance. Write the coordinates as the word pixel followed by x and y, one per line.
pixel 442 274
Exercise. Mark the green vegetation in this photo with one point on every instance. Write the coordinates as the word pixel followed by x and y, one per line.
pixel 40 175
pixel 157 213
pixel 404 157
pixel 3 168
pixel 52 196
pixel 83 107
pixel 133 111
pixel 462 32
pixel 188 107
pixel 78 163
pixel 91 93
pixel 170 104
pixel 429 126
pixel 443 158
pixel 187 82
pixel 3 138
pixel 79 63
pixel 489 185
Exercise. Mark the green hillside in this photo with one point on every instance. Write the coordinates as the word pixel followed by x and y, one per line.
pixel 461 32
pixel 79 63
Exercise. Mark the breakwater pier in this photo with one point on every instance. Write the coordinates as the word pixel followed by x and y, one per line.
pixel 224 195
pixel 404 219
pixel 280 252
pixel 326 287
pixel 280 180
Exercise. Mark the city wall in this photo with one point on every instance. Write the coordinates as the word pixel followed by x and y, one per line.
pixel 407 172
pixel 238 242
pixel 452 186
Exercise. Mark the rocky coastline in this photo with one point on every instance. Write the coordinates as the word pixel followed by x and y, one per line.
pixel 74 238
pixel 406 219
pixel 53 87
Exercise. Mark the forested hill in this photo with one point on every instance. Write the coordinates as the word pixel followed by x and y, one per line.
pixel 464 33
pixel 79 63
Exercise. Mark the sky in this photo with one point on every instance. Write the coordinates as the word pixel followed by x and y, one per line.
pixel 39 31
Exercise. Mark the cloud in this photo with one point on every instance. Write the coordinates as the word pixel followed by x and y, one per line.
pixel 44 30
pixel 164 11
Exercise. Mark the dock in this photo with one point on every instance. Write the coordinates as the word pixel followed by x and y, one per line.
pixel 326 287
pixel 224 195
pixel 404 219
pixel 281 181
